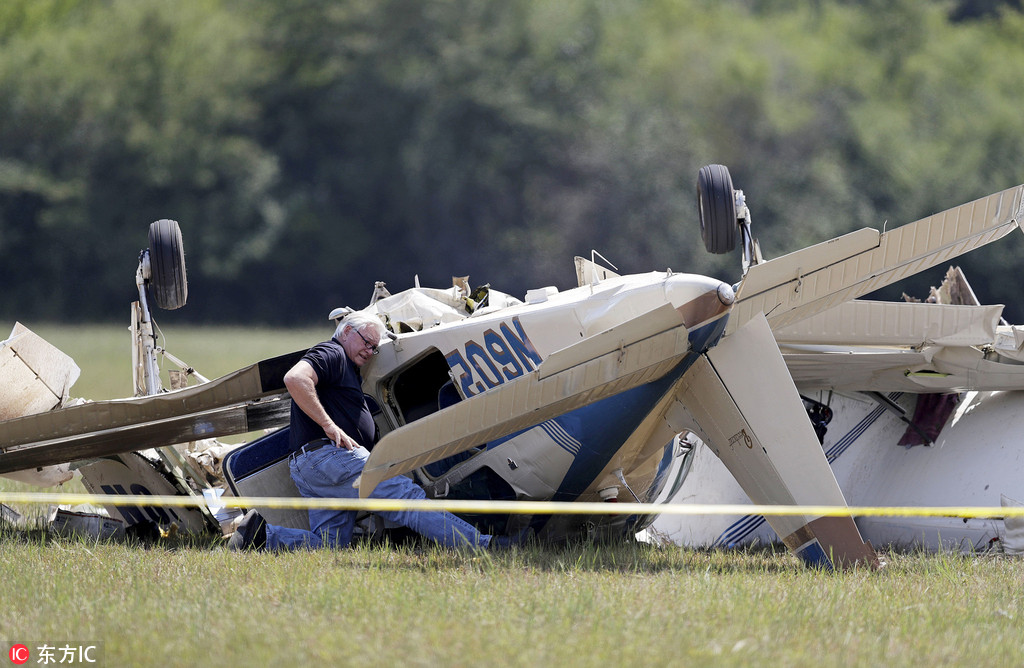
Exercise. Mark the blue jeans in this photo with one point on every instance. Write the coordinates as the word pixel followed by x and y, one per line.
pixel 329 473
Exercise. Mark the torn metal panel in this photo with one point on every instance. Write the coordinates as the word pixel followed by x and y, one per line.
pixel 589 272
pixel 1009 342
pixel 10 517
pixel 70 523
pixel 34 375
pixel 43 476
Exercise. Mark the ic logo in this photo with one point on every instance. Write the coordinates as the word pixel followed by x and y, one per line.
pixel 19 654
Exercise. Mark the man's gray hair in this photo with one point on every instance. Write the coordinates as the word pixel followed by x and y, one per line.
pixel 360 322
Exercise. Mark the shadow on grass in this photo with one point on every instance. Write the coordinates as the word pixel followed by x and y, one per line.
pixel 410 552
pixel 624 557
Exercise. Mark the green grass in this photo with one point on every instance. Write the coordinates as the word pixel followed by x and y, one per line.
pixel 188 602
pixel 583 605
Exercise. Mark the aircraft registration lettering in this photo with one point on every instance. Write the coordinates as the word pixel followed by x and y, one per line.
pixel 505 354
pixel 134 514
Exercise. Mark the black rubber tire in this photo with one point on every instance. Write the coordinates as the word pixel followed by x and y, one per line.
pixel 718 225
pixel 167 265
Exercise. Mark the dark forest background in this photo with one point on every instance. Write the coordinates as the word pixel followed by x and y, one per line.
pixel 311 147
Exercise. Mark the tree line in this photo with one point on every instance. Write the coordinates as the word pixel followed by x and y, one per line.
pixel 311 147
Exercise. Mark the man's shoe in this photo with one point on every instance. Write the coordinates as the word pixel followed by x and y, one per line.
pixel 251 533
pixel 506 542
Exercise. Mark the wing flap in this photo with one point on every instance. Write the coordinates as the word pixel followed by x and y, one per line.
pixel 873 323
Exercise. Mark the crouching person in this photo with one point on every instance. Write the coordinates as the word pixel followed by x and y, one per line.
pixel 331 431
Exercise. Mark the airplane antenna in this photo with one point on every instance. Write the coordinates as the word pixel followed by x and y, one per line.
pixel 594 253
pixel 596 276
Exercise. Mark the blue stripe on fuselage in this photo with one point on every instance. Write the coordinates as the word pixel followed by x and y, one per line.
pixel 594 433
pixel 738 532
pixel 602 427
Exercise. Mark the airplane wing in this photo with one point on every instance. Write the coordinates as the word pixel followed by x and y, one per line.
pixel 237 403
pixel 809 281
pixel 634 353
pixel 904 347
pixel 766 441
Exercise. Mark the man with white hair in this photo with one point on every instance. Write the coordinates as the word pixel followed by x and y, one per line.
pixel 331 433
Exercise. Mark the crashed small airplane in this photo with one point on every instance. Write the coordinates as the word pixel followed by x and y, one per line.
pixel 648 387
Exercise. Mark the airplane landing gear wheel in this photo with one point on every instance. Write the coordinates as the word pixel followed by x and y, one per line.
pixel 167 265
pixel 718 225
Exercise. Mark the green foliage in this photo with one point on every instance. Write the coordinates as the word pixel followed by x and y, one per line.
pixel 311 147
pixel 116 114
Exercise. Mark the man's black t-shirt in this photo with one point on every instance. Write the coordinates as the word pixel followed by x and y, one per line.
pixel 341 393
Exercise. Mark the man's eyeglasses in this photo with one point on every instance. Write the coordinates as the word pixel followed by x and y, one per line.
pixel 372 348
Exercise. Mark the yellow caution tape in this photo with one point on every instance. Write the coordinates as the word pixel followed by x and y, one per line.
pixel 511 507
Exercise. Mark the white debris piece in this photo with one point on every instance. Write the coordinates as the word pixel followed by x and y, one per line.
pixel 66 523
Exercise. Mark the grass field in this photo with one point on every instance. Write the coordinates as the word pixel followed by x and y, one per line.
pixel 585 605
pixel 187 602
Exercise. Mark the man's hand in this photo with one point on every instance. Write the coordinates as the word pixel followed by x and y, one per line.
pixel 339 437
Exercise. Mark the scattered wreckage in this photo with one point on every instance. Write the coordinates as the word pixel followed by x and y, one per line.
pixel 647 387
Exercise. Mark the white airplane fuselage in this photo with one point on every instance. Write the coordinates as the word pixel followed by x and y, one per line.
pixel 575 456
pixel 976 460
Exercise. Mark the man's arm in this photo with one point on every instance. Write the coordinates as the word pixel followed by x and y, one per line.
pixel 301 382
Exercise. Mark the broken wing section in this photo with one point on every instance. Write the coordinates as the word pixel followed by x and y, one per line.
pixel 904 347
pixel 246 400
pixel 745 407
pixel 798 285
pixel 36 376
